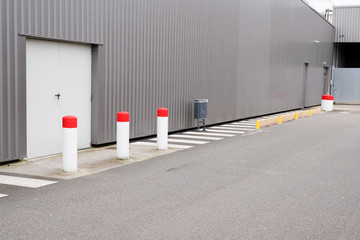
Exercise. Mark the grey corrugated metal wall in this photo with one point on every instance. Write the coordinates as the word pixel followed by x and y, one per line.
pixel 346 19
pixel 246 57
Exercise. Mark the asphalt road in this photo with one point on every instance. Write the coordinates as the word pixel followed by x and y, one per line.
pixel 297 180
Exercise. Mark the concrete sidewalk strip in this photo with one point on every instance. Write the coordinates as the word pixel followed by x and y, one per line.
pixel 196 137
pixel 302 114
pixel 267 122
pixel 3 195
pixel 90 161
pixel 209 134
pixel 182 141
pixel 316 111
pixel 224 131
pixel 155 144
pixel 286 117
pixel 24 182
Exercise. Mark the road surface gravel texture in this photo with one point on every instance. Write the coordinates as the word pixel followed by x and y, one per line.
pixel 297 180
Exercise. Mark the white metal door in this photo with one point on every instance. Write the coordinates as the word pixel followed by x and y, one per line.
pixel 54 68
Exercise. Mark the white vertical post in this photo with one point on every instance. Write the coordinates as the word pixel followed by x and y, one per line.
pixel 122 139
pixel 70 144
pixel 162 128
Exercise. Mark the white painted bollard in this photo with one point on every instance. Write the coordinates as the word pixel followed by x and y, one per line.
pixel 70 144
pixel 122 139
pixel 162 128
pixel 327 103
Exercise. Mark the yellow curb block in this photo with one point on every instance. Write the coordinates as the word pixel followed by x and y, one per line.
pixel 316 111
pixel 266 122
pixel 287 117
pixel 302 114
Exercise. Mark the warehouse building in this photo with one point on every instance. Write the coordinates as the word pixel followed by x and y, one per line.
pixel 93 58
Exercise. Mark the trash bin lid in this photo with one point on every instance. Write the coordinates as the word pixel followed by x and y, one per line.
pixel 201 100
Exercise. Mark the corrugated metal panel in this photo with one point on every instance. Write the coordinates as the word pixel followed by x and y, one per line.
pixel 347 23
pixel 347 85
pixel 246 57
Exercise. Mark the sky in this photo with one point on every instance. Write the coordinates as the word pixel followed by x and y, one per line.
pixel 322 5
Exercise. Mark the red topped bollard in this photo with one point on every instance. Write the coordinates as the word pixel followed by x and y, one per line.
pixel 123 132
pixel 162 128
pixel 327 103
pixel 69 144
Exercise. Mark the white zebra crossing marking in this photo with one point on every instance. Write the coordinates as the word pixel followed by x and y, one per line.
pixel 209 134
pixel 155 144
pixel 225 128
pixel 225 131
pixel 240 127
pixel 24 182
pixel 244 125
pixel 196 137
pixel 3 195
pixel 182 141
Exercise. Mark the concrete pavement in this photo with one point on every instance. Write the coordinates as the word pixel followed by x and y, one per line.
pixel 298 180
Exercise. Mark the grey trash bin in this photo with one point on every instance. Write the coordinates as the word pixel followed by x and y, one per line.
pixel 200 111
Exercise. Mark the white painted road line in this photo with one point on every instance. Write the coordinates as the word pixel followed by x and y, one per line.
pixel 196 137
pixel 246 121
pixel 155 145
pixel 239 126
pixel 245 125
pixel 24 182
pixel 209 134
pixel 3 195
pixel 225 128
pixel 225 131
pixel 271 116
pixel 245 129
pixel 182 141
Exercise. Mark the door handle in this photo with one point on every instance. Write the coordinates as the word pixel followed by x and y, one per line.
pixel 58 96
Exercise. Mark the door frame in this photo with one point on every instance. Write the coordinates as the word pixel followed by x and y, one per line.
pixel 24 66
pixel 97 88
pixel 305 82
pixel 326 80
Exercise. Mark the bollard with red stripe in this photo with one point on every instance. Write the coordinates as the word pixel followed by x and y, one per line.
pixel 123 132
pixel 162 128
pixel 327 103
pixel 70 144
